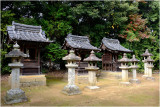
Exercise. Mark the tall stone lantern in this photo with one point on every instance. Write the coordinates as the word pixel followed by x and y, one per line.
pixel 71 88
pixel 92 69
pixel 149 67
pixel 134 66
pixel 124 66
pixel 15 94
pixel 146 55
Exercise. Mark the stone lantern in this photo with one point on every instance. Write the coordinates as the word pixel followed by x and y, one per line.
pixel 71 88
pixel 134 66
pixel 15 94
pixel 92 69
pixel 146 55
pixel 124 66
pixel 149 67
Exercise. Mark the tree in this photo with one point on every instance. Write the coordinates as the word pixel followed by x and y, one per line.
pixel 136 29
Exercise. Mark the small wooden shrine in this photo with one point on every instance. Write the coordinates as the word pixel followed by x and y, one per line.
pixel 111 49
pixel 31 39
pixel 81 45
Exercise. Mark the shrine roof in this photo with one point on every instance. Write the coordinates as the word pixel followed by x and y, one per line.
pixel 79 42
pixel 25 32
pixel 114 45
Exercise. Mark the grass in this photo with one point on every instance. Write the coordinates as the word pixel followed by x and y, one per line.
pixel 109 94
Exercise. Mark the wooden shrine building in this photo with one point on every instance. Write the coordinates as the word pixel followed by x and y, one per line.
pixel 81 45
pixel 111 49
pixel 31 39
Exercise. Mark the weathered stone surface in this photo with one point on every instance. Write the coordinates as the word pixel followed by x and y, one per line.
pixel 15 96
pixel 125 83
pixel 71 90
pixel 137 81
pixel 93 87
pixel 150 78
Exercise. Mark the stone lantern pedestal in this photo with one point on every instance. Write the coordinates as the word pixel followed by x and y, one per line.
pixel 124 66
pixel 92 69
pixel 145 70
pixel 150 66
pixel 15 94
pixel 146 55
pixel 134 67
pixel 71 88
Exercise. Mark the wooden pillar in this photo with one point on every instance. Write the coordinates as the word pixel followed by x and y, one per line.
pixel 38 60
pixel 102 62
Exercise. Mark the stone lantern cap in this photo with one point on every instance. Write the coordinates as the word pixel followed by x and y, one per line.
pixel 71 56
pixel 149 59
pixel 16 52
pixel 92 57
pixel 124 59
pixel 134 59
pixel 147 53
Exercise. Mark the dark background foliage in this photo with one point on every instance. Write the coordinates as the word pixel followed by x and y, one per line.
pixel 96 20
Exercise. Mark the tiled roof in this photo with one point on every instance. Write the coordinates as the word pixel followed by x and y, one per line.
pixel 80 42
pixel 26 33
pixel 114 44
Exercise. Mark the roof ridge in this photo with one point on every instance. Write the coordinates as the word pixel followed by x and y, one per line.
pixel 25 25
pixel 77 36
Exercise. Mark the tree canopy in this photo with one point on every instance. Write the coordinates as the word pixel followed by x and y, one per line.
pixel 135 24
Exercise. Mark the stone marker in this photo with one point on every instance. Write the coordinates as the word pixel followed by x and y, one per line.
pixel 146 55
pixel 150 66
pixel 134 67
pixel 15 94
pixel 124 66
pixel 71 88
pixel 92 69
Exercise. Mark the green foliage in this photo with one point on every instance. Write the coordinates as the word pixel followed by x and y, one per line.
pixel 54 52
pixel 95 19
pixel 136 29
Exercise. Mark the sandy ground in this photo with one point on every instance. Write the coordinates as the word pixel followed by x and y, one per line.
pixel 109 94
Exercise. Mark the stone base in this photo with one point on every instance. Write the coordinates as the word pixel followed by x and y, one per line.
pixel 93 87
pixel 137 81
pixel 150 78
pixel 31 80
pixel 15 96
pixel 71 90
pixel 125 83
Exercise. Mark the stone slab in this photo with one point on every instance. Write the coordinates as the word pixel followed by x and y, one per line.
pixel 31 80
pixel 15 96
pixel 71 90
pixel 144 76
pixel 125 83
pixel 150 78
pixel 93 87
pixel 136 81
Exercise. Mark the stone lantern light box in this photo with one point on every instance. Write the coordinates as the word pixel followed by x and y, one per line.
pixel 71 88
pixel 92 69
pixel 15 94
